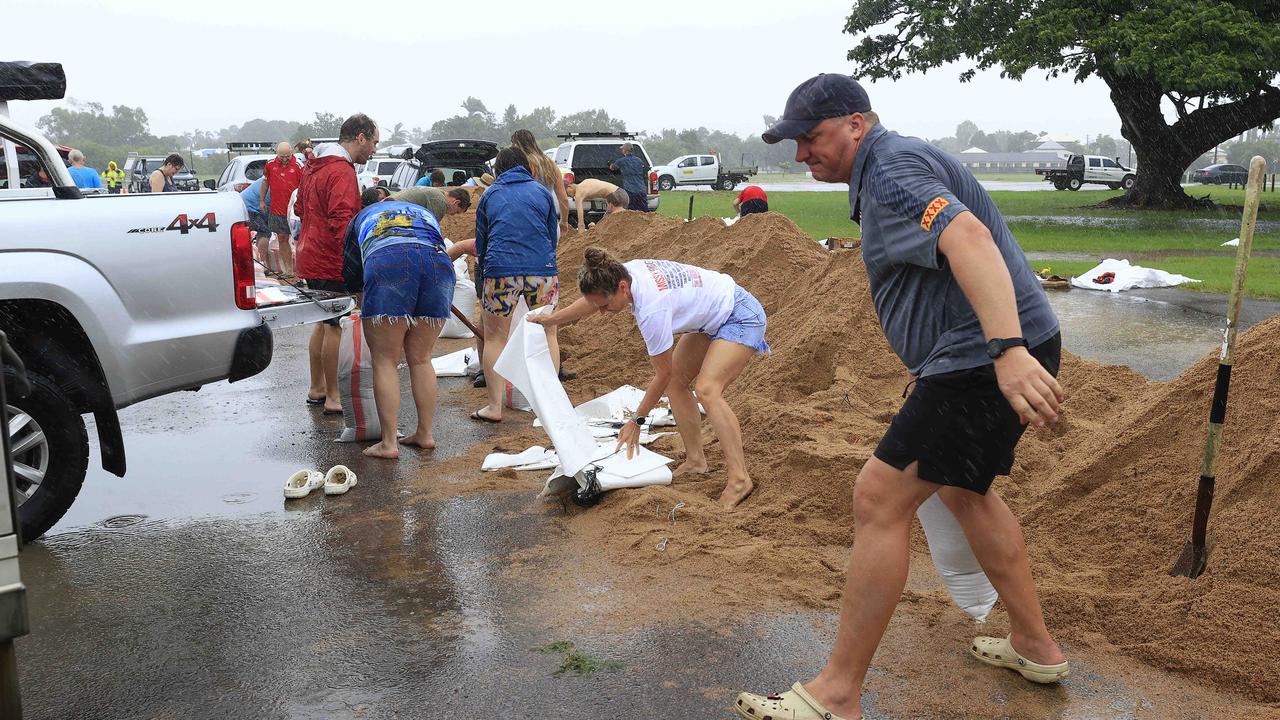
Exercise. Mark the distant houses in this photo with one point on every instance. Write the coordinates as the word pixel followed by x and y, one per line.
pixel 1048 154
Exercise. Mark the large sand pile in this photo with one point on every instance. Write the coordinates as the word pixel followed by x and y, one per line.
pixel 1106 496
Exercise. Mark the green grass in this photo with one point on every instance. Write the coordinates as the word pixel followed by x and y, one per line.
pixel 577 662
pixel 1158 239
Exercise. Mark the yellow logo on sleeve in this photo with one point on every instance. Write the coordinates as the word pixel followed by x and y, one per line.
pixel 931 212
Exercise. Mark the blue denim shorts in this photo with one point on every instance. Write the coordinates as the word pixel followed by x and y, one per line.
pixel 408 280
pixel 746 323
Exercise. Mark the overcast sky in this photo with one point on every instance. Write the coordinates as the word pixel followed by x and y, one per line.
pixel 656 64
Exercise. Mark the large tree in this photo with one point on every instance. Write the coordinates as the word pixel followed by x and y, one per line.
pixel 1212 63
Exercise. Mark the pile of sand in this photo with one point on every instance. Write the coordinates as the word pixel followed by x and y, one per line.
pixel 1106 496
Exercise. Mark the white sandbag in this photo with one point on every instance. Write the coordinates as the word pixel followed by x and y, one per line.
pixel 613 471
pixel 464 298
pixel 1127 277
pixel 355 384
pixel 615 407
pixel 526 363
pixel 457 364
pixel 954 560
pixel 498 461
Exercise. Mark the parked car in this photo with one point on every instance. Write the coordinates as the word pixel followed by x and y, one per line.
pixel 138 169
pixel 240 173
pixel 586 155
pixel 245 166
pixel 701 170
pixel 1221 174
pixel 1083 169
pixel 88 299
pixel 470 157
pixel 377 170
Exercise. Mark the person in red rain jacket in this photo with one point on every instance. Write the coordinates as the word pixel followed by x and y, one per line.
pixel 328 198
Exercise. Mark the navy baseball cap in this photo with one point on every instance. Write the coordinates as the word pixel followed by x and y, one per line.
pixel 814 100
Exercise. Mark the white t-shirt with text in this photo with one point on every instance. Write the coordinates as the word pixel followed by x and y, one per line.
pixel 669 298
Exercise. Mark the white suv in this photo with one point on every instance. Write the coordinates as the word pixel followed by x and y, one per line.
pixel 588 155
pixel 376 170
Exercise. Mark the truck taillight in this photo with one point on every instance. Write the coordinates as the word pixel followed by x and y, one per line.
pixel 653 183
pixel 242 267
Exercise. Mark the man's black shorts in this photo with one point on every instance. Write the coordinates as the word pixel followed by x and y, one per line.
pixel 959 426
pixel 332 286
pixel 638 201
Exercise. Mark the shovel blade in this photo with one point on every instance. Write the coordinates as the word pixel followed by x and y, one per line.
pixel 1191 563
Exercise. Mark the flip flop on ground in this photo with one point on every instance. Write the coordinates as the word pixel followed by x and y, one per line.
pixel 1000 653
pixel 477 416
pixel 794 705
pixel 301 483
pixel 339 480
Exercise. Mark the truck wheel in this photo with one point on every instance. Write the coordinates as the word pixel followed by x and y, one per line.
pixel 1074 184
pixel 1059 185
pixel 50 455
pixel 666 182
pixel 1127 182
pixel 726 184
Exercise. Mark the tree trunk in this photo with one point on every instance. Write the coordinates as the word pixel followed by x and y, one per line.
pixel 1161 155
pixel 1165 151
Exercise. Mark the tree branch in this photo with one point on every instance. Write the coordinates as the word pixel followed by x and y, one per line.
pixel 1220 122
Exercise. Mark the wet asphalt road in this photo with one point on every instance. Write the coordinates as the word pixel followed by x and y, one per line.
pixel 188 589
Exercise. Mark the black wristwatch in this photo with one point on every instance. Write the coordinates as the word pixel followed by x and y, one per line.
pixel 996 348
pixel 640 420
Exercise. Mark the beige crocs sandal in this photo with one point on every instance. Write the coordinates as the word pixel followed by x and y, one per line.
pixel 794 705
pixel 1000 653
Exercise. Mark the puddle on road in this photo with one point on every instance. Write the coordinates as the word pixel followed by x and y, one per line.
pixel 1158 339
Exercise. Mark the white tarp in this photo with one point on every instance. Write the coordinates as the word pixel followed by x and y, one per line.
pixel 954 560
pixel 1127 277
pixel 526 363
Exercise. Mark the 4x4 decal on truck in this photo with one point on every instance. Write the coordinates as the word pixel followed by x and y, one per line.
pixel 184 225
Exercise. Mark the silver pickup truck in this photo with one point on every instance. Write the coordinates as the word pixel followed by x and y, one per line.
pixel 114 299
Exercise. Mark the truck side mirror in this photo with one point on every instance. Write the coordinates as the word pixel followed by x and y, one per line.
pixel 211 184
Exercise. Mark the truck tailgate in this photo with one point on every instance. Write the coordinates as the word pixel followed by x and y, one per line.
pixel 285 306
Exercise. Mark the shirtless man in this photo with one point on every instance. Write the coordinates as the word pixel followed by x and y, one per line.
pixel 588 190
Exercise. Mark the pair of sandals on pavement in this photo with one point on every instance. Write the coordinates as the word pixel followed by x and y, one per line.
pixel 800 705
pixel 337 481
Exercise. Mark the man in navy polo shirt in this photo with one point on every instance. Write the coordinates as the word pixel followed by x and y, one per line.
pixel 960 307
pixel 634 178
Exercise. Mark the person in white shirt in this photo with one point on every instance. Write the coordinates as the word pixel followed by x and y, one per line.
pixel 721 326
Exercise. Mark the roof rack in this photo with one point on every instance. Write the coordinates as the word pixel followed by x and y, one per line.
pixel 251 147
pixel 623 134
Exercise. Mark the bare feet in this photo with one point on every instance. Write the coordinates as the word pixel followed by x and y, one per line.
pixel 691 467
pixel 382 451
pixel 735 491
pixel 419 439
